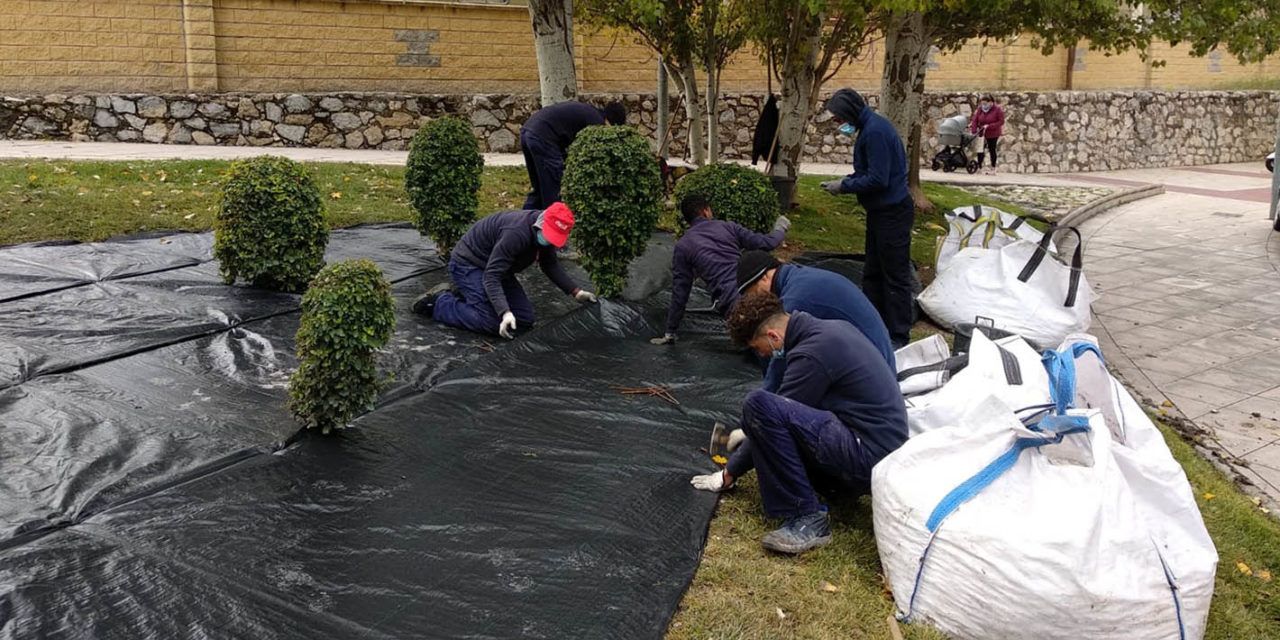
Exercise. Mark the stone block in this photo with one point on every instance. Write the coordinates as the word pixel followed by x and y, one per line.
pixel 179 135
pixel 200 137
pixel 292 133
pixel 105 119
pixel 300 119
pixel 135 121
pixel 180 109
pixel 123 105
pixel 331 104
pixel 297 103
pixel 245 108
pixel 195 123
pixel 346 121
pixel 502 141
pixel 153 107
pixel 373 135
pixel 155 132
pixel 225 129
pixel 213 110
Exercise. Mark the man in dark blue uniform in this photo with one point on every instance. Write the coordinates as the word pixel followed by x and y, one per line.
pixel 545 139
pixel 487 298
pixel 836 414
pixel 817 292
pixel 710 250
pixel 879 179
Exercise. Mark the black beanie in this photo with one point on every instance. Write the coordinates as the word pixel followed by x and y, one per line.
pixel 752 265
pixel 847 105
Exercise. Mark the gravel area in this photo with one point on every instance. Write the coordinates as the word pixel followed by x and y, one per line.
pixel 1046 201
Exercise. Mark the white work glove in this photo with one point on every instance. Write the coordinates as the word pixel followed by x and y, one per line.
pixel 584 296
pixel 736 437
pixel 831 186
pixel 669 338
pixel 713 482
pixel 508 325
pixel 782 224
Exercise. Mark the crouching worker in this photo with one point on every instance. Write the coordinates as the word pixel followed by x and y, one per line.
pixel 709 250
pixel 486 297
pixel 836 414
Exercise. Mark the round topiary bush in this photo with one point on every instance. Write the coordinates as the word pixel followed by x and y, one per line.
pixel 736 193
pixel 614 187
pixel 347 315
pixel 442 178
pixel 270 230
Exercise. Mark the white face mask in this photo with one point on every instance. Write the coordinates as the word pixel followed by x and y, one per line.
pixel 986 106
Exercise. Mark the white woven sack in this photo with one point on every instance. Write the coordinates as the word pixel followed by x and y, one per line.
pixel 985 227
pixel 1022 286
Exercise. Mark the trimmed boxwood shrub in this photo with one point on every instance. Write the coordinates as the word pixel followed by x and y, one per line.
pixel 613 184
pixel 270 229
pixel 442 178
pixel 347 315
pixel 736 193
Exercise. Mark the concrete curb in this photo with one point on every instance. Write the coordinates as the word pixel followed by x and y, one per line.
pixel 1077 216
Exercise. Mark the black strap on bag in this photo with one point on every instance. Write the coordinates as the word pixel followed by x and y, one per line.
pixel 1042 250
pixel 1012 370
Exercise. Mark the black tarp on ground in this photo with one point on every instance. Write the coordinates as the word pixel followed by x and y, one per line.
pixel 499 490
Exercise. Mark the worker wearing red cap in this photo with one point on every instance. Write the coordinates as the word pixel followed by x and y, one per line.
pixel 486 297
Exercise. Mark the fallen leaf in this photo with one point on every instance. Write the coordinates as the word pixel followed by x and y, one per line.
pixel 1166 403
pixel 1264 575
pixel 146 193
pixel 828 587
pixel 1209 496
pixel 336 195
pixel 97 177
pixel 189 216
pixel 718 459
pixel 1244 568
pixel 781 615
pixel 1257 502
pixel 162 175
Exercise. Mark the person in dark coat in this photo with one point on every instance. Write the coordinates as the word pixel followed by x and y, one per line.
pixel 545 139
pixel 766 133
pixel 818 292
pixel 709 250
pixel 486 297
pixel 837 413
pixel 879 180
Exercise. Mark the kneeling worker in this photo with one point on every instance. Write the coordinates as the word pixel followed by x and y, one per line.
pixel 487 297
pixel 710 250
pixel 836 414
pixel 817 292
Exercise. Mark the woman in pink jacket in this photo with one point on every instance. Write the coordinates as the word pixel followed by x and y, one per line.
pixel 988 122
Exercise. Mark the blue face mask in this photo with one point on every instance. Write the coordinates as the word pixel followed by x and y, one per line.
pixel 848 129
pixel 778 353
pixel 542 240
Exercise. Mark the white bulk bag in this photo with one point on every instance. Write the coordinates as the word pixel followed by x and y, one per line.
pixel 979 226
pixel 1008 369
pixel 986 532
pixel 923 365
pixel 1022 286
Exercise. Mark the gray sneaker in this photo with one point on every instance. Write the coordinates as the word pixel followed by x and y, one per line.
pixel 799 534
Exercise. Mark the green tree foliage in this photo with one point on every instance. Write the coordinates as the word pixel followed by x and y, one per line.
pixel 613 186
pixel 270 228
pixel 442 178
pixel 347 315
pixel 736 193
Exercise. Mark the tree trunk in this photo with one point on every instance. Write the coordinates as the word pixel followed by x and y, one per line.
pixel 906 53
pixel 693 112
pixel 664 112
pixel 713 115
pixel 553 41
pixel 795 105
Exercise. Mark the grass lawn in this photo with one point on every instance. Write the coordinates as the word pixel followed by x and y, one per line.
pixel 739 591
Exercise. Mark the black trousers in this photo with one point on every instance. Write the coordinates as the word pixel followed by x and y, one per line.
pixel 887 281
pixel 992 144
pixel 545 163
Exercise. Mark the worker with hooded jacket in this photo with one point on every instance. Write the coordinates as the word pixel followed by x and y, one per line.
pixel 818 292
pixel 545 139
pixel 486 297
pixel 709 251
pixel 837 412
pixel 879 180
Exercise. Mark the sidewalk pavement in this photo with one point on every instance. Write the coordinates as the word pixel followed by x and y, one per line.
pixel 1189 311
pixel 1189 307
pixel 59 150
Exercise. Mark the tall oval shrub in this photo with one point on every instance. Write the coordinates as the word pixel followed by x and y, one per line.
pixel 442 178
pixel 736 193
pixel 270 229
pixel 614 187
pixel 347 315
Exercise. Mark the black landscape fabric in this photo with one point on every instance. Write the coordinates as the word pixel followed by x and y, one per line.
pixel 154 485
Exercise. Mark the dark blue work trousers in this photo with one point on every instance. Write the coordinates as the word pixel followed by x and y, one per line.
pixel 798 452
pixel 545 163
pixel 473 311
pixel 887 281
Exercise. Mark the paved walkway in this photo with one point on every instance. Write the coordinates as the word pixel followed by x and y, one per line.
pixel 1190 305
pixel 44 149
pixel 1190 294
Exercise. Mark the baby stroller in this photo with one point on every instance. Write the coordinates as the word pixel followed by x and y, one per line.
pixel 954 136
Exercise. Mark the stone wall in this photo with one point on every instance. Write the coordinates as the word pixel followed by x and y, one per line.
pixel 1046 132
